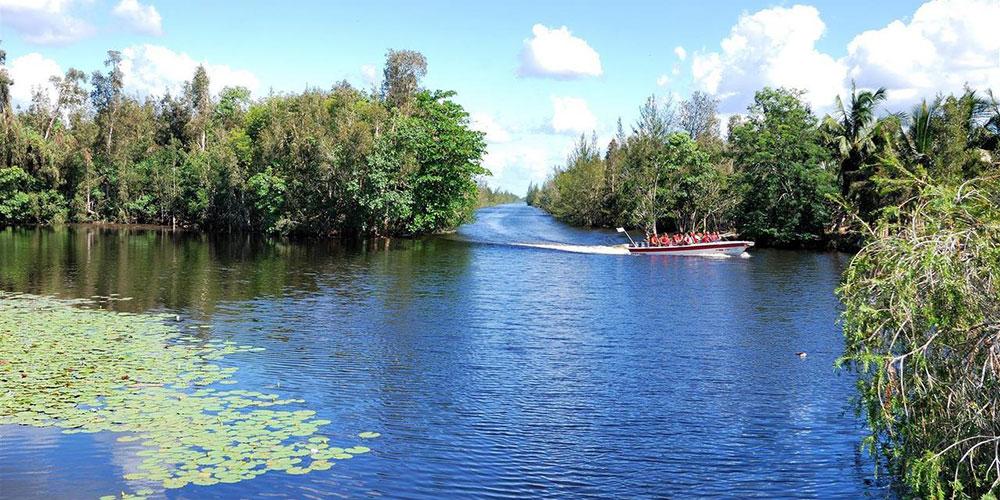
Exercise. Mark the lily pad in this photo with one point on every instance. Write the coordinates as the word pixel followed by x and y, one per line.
pixel 88 370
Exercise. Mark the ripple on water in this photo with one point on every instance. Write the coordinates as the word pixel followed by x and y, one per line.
pixel 496 371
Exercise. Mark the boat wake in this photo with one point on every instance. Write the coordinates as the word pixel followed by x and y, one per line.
pixel 591 249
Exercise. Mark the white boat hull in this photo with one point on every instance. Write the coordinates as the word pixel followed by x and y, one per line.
pixel 715 248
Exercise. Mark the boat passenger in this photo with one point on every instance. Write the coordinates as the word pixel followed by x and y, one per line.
pixel 688 239
pixel 653 241
pixel 665 240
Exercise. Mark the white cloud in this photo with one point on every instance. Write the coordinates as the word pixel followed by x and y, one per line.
pixel 369 73
pixel 44 22
pixel 514 166
pixel 556 53
pixel 30 72
pixel 680 52
pixel 484 122
pixel 153 70
pixel 572 115
pixel 662 80
pixel 140 18
pixel 946 44
pixel 772 47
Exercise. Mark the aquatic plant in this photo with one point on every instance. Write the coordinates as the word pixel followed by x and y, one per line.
pixel 90 370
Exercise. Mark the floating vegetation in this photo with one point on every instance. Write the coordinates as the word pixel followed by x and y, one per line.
pixel 90 370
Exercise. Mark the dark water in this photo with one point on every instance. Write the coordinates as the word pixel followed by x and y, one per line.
pixel 491 370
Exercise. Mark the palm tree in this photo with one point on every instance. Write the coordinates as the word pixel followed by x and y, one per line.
pixel 852 133
pixel 992 126
pixel 918 134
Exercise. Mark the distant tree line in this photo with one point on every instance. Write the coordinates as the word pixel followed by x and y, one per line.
pixel 782 176
pixel 489 196
pixel 397 160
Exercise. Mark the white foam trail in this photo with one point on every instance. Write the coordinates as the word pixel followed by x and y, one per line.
pixel 593 249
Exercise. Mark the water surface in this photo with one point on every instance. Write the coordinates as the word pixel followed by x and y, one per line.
pixel 491 370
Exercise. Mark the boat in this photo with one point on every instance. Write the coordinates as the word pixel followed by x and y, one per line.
pixel 718 248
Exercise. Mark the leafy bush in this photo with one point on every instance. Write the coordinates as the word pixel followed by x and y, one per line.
pixel 922 325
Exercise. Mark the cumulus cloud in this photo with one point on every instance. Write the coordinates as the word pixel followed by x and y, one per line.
pixel 680 52
pixel 154 70
pixel 44 22
pixel 946 44
pixel 484 122
pixel 31 72
pixel 514 166
pixel 773 47
pixel 556 53
pixel 572 115
pixel 662 80
pixel 140 18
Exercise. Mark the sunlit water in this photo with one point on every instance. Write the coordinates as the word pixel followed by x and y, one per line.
pixel 492 369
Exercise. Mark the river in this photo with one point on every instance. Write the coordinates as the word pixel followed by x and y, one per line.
pixel 489 368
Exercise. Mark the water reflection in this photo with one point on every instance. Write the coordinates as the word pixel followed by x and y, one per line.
pixel 493 370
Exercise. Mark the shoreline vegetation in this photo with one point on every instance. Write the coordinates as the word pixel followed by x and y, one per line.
pixel 396 160
pixel 782 176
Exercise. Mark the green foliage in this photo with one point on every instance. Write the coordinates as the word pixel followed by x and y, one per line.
pixel 344 161
pixel 488 196
pixel 22 203
pixel 785 180
pixel 922 329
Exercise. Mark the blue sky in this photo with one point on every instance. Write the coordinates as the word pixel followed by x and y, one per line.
pixel 587 62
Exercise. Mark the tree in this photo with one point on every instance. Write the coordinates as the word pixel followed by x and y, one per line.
pixel 107 94
pixel 957 152
pixel 782 165
pixel 200 98
pixel 655 120
pixel 69 94
pixel 918 133
pixel 6 111
pixel 699 118
pixel 233 104
pixel 401 76
pixel 851 134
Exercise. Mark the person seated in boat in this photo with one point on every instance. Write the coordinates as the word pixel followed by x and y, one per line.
pixel 653 240
pixel 665 240
pixel 699 237
pixel 678 240
pixel 688 239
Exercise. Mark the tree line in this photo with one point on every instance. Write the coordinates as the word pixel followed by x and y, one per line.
pixel 782 176
pixel 398 159
pixel 489 196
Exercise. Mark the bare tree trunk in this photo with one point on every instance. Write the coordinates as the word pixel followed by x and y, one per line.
pixel 52 121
